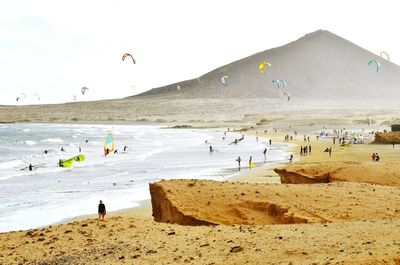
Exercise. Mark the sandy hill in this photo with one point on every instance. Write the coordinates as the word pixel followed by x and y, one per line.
pixel 320 65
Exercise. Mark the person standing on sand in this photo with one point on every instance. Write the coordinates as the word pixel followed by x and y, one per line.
pixel 291 158
pixel 265 153
pixel 330 151
pixel 373 156
pixel 309 149
pixel 102 210
pixel 377 158
pixel 301 150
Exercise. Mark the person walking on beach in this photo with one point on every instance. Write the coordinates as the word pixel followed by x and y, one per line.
pixel 373 156
pixel 309 149
pixel 291 158
pixel 239 160
pixel 102 210
pixel 301 150
pixel 377 158
pixel 250 162
pixel 265 153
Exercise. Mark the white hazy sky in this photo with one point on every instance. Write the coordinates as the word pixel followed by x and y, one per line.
pixel 54 48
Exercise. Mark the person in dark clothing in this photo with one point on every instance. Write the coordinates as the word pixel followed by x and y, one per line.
pixel 270 142
pixel 102 210
pixel 291 158
pixel 30 167
pixel 125 148
pixel 211 149
pixel 377 157
pixel 309 149
pixel 239 160
pixel 265 153
pixel 301 150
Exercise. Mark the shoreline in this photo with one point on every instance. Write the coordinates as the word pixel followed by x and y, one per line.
pixel 132 236
pixel 260 174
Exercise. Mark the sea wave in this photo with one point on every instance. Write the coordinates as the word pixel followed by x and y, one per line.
pixel 53 140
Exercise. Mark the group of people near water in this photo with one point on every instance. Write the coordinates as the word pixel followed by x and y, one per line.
pixel 376 157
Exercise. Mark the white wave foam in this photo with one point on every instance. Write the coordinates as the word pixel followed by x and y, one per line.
pixel 29 142
pixel 11 163
pixel 53 140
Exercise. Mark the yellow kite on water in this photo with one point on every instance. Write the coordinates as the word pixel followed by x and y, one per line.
pixel 262 65
pixel 68 162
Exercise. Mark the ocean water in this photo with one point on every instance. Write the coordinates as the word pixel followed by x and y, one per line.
pixel 49 193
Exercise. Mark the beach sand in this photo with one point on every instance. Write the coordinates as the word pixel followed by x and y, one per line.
pixel 132 236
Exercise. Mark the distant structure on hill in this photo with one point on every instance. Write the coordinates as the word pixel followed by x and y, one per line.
pixel 395 127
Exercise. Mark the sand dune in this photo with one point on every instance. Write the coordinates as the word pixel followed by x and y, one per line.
pixel 191 202
pixel 368 172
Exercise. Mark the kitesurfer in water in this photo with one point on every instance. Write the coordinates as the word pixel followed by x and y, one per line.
pixel 211 149
pixel 250 162
pixel 30 167
pixel 102 210
pixel 239 160
pixel 62 149
pixel 60 163
pixel 106 152
pixel 125 148
pixel 45 152
pixel 116 151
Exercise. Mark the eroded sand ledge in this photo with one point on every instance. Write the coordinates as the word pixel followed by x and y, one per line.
pixel 387 174
pixel 201 202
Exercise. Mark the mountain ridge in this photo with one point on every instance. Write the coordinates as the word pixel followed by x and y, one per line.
pixel 319 65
